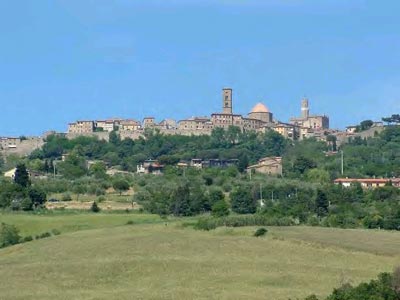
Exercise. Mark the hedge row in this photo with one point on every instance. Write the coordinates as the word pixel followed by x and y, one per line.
pixel 210 223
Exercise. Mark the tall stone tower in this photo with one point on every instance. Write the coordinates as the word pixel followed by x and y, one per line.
pixel 305 109
pixel 227 101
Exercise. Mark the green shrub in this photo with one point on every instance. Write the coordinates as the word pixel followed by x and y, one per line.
pixel 9 235
pixel 27 239
pixel 66 197
pixel 260 232
pixel 220 209
pixel 130 222
pixel 101 199
pixel 100 192
pixel 95 208
pixel 209 223
pixel 55 232
pixel 44 235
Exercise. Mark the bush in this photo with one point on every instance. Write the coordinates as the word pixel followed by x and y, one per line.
pixel 55 232
pixel 66 197
pixel 101 199
pixel 260 232
pixel 9 235
pixel 220 209
pixel 130 222
pixel 27 239
pixel 43 235
pixel 209 223
pixel 95 208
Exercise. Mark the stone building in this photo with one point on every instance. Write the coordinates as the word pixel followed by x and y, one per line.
pixel 129 125
pixel 168 124
pixel 81 127
pixel 105 125
pixel 196 123
pixel 268 165
pixel 149 122
pixel 257 118
pixel 310 121
pixel 262 113
pixel 289 131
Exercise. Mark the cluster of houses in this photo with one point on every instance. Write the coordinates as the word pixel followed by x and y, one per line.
pixel 260 119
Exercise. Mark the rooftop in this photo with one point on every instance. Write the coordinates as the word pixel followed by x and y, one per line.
pixel 260 108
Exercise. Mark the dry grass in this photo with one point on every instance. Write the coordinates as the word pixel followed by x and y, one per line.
pixel 169 262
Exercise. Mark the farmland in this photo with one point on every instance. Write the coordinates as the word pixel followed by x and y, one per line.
pixel 98 256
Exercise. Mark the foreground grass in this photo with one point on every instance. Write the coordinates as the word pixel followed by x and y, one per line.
pixel 155 261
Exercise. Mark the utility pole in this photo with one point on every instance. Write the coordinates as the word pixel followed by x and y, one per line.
pixel 342 162
pixel 261 196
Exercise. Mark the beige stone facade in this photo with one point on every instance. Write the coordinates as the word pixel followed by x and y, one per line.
pixel 310 121
pixel 149 122
pixel 289 131
pixel 81 127
pixel 196 123
pixel 129 125
pixel 268 166
pixel 259 119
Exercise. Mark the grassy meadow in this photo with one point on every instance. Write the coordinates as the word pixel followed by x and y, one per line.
pixel 97 256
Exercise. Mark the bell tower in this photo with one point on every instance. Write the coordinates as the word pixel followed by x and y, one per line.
pixel 305 109
pixel 227 101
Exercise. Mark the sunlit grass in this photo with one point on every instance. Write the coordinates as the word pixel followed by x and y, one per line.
pixel 168 261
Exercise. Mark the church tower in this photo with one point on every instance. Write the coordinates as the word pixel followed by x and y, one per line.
pixel 305 109
pixel 227 101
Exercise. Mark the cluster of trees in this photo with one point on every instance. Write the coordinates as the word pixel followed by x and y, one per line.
pixel 223 191
pixel 169 150
pixel 20 194
pixel 386 287
pixel 307 159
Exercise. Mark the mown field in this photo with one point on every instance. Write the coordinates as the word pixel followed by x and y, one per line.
pixel 99 257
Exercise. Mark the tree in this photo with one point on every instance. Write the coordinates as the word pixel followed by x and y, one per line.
pixel 220 209
pixel 332 142
pixel 121 185
pixel 74 166
pixel 180 198
pixel 9 235
pixel 322 204
pixel 302 164
pixel 25 204
pixel 98 170
pixel 95 208
pixel 233 134
pixel 242 201
pixel 79 189
pixel 365 125
pixel 215 195
pixel 392 119
pixel 318 176
pixel 22 176
pixel 37 196
pixel 114 138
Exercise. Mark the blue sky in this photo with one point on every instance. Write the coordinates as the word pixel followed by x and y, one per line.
pixel 62 60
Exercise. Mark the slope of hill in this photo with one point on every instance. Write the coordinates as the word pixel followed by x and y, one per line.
pixel 158 261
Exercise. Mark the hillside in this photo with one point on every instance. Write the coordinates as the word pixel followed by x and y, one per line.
pixel 158 261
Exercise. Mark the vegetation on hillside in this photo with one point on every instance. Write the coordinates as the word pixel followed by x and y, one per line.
pixel 304 195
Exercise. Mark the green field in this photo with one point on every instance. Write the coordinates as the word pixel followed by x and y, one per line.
pixel 98 257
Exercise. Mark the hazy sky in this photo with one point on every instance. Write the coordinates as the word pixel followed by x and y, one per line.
pixel 62 60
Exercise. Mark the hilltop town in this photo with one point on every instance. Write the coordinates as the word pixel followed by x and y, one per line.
pixel 260 119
